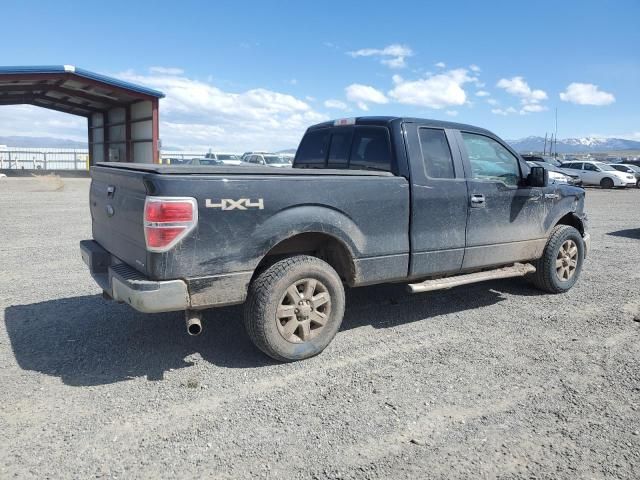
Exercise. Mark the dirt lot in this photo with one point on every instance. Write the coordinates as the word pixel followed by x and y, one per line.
pixel 493 380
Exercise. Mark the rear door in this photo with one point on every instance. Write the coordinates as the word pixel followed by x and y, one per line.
pixel 439 201
pixel 506 217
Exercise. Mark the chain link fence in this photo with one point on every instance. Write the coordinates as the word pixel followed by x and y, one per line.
pixel 16 158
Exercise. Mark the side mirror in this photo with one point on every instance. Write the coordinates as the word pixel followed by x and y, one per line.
pixel 538 177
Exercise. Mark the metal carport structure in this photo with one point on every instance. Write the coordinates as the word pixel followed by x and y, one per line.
pixel 122 117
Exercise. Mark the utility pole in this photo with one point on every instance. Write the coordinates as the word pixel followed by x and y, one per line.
pixel 556 132
pixel 544 151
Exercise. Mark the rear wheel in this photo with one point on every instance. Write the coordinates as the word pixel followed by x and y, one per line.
pixel 638 183
pixel 294 308
pixel 561 263
pixel 606 183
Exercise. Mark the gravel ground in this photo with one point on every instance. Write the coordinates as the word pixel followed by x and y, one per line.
pixel 492 380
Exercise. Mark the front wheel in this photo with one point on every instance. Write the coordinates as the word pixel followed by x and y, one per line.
pixel 294 308
pixel 561 263
pixel 606 183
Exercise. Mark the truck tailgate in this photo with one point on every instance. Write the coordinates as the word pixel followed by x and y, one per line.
pixel 117 209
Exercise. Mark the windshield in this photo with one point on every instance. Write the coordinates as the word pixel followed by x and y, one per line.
pixel 605 168
pixel 271 159
pixel 552 161
pixel 224 156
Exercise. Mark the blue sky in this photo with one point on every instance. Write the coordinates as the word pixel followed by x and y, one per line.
pixel 242 75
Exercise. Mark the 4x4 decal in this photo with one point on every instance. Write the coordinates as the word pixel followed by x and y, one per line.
pixel 240 204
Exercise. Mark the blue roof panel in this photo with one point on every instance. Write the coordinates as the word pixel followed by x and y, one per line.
pixel 80 72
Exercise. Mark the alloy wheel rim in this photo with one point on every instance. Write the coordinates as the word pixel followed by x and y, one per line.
pixel 303 310
pixel 567 260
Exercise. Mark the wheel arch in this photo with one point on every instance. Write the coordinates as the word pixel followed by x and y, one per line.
pixel 572 220
pixel 312 230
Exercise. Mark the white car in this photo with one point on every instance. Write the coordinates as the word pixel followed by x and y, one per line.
pixel 599 173
pixel 270 160
pixel 226 158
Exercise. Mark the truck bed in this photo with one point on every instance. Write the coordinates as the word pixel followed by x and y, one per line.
pixel 244 212
pixel 239 170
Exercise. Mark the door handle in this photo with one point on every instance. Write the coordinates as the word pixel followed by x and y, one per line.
pixel 477 200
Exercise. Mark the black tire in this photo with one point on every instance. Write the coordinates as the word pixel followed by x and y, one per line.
pixel 638 184
pixel 606 183
pixel 267 293
pixel 547 277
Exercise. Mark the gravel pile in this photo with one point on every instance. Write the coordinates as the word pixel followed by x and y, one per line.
pixel 492 380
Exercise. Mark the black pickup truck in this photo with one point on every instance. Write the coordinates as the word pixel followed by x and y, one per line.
pixel 368 200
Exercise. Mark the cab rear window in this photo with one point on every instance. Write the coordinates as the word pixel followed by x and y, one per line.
pixel 353 147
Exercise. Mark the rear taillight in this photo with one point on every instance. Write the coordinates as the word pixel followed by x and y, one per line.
pixel 167 220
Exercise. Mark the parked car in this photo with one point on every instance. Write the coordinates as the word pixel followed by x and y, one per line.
pixel 287 157
pixel 226 158
pixel 558 175
pixel 368 200
pixel 635 162
pixel 246 155
pixel 599 173
pixel 205 161
pixel 270 160
pixel 551 160
pixel 629 168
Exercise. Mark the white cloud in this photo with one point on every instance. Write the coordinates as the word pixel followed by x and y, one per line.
pixel 441 65
pixel 393 56
pixel 529 98
pixel 166 70
pixel 293 81
pixel 452 113
pixel 196 114
pixel 506 111
pixel 482 93
pixel 533 107
pixel 31 121
pixel 474 68
pixel 435 91
pixel 362 95
pixel 586 94
pixel 492 101
pixel 518 87
pixel 336 104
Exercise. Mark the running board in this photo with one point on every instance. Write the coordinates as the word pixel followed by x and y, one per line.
pixel 516 270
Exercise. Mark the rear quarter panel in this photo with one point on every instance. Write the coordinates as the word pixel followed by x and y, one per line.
pixel 370 215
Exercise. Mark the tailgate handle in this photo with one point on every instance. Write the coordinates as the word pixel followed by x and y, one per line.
pixel 111 189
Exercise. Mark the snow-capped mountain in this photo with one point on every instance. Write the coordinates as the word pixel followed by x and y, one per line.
pixel 575 145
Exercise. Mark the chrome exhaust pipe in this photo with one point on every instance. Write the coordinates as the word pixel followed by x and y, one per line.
pixel 194 322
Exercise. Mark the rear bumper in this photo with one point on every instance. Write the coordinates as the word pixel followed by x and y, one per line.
pixel 124 284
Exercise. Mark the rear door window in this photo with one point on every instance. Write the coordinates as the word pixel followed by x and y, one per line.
pixel 436 153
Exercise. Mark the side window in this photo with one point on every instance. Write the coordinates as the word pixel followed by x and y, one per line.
pixel 370 149
pixel 436 153
pixel 590 168
pixel 339 147
pixel 490 160
pixel 575 166
pixel 313 149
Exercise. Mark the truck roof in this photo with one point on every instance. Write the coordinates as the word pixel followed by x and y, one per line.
pixel 389 121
